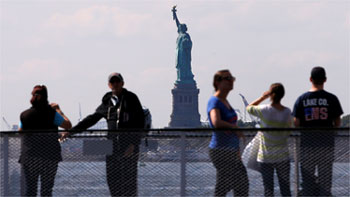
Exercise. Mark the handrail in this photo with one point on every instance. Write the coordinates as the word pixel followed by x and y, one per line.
pixel 312 129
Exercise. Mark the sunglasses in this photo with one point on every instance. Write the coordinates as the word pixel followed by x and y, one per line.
pixel 115 80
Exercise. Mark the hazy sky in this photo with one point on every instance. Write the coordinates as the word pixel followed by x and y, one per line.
pixel 73 45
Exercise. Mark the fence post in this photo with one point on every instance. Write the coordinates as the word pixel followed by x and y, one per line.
pixel 22 178
pixel 5 181
pixel 296 165
pixel 183 165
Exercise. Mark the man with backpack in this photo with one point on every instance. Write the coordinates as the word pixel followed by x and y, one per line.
pixel 121 109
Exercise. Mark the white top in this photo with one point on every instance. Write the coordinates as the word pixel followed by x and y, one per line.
pixel 273 144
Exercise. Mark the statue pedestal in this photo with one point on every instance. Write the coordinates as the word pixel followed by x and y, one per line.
pixel 185 106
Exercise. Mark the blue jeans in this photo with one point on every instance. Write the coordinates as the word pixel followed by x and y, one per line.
pixel 283 173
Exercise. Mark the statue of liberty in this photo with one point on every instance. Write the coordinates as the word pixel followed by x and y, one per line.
pixel 183 52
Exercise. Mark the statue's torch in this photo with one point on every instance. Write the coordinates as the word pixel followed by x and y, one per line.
pixel 174 12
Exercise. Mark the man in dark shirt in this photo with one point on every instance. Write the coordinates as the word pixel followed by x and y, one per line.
pixel 317 108
pixel 122 109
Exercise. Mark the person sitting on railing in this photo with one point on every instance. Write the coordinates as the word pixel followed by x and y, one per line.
pixel 273 151
pixel 317 108
pixel 231 174
pixel 41 152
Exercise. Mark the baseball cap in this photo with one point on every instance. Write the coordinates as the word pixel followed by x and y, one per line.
pixel 318 73
pixel 113 75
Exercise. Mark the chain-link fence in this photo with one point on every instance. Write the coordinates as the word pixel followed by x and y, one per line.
pixel 169 163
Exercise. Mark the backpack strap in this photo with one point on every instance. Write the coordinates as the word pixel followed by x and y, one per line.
pixel 118 111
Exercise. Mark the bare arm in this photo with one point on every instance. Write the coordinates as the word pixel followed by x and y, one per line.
pixel 296 122
pixel 216 120
pixel 337 122
pixel 261 99
pixel 66 124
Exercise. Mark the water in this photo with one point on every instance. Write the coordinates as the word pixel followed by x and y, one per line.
pixel 160 179
pixel 163 179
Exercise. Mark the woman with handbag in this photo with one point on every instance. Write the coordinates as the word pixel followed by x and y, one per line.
pixel 273 151
pixel 224 145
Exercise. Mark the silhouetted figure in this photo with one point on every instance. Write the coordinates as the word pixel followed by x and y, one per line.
pixel 122 109
pixel 41 152
pixel 317 108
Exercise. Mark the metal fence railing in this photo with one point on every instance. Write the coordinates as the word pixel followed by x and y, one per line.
pixel 172 162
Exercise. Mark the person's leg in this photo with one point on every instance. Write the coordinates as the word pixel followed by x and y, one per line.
pixel 219 159
pixel 325 171
pixel 240 179
pixel 283 174
pixel 47 177
pixel 31 176
pixel 267 173
pixel 308 168
pixel 113 173
pixel 129 176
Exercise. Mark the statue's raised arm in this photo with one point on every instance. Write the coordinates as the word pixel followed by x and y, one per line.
pixel 175 16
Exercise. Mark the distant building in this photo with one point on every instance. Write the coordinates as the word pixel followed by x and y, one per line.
pixel 15 127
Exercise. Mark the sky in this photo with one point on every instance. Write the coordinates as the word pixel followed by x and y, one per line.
pixel 72 46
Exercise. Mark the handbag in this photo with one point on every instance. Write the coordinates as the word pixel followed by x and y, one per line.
pixel 250 153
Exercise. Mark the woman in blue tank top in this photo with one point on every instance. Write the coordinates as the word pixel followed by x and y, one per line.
pixel 224 145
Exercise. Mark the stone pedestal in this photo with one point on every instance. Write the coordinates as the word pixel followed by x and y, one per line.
pixel 185 106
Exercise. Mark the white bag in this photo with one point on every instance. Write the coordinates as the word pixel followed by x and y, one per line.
pixel 250 153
